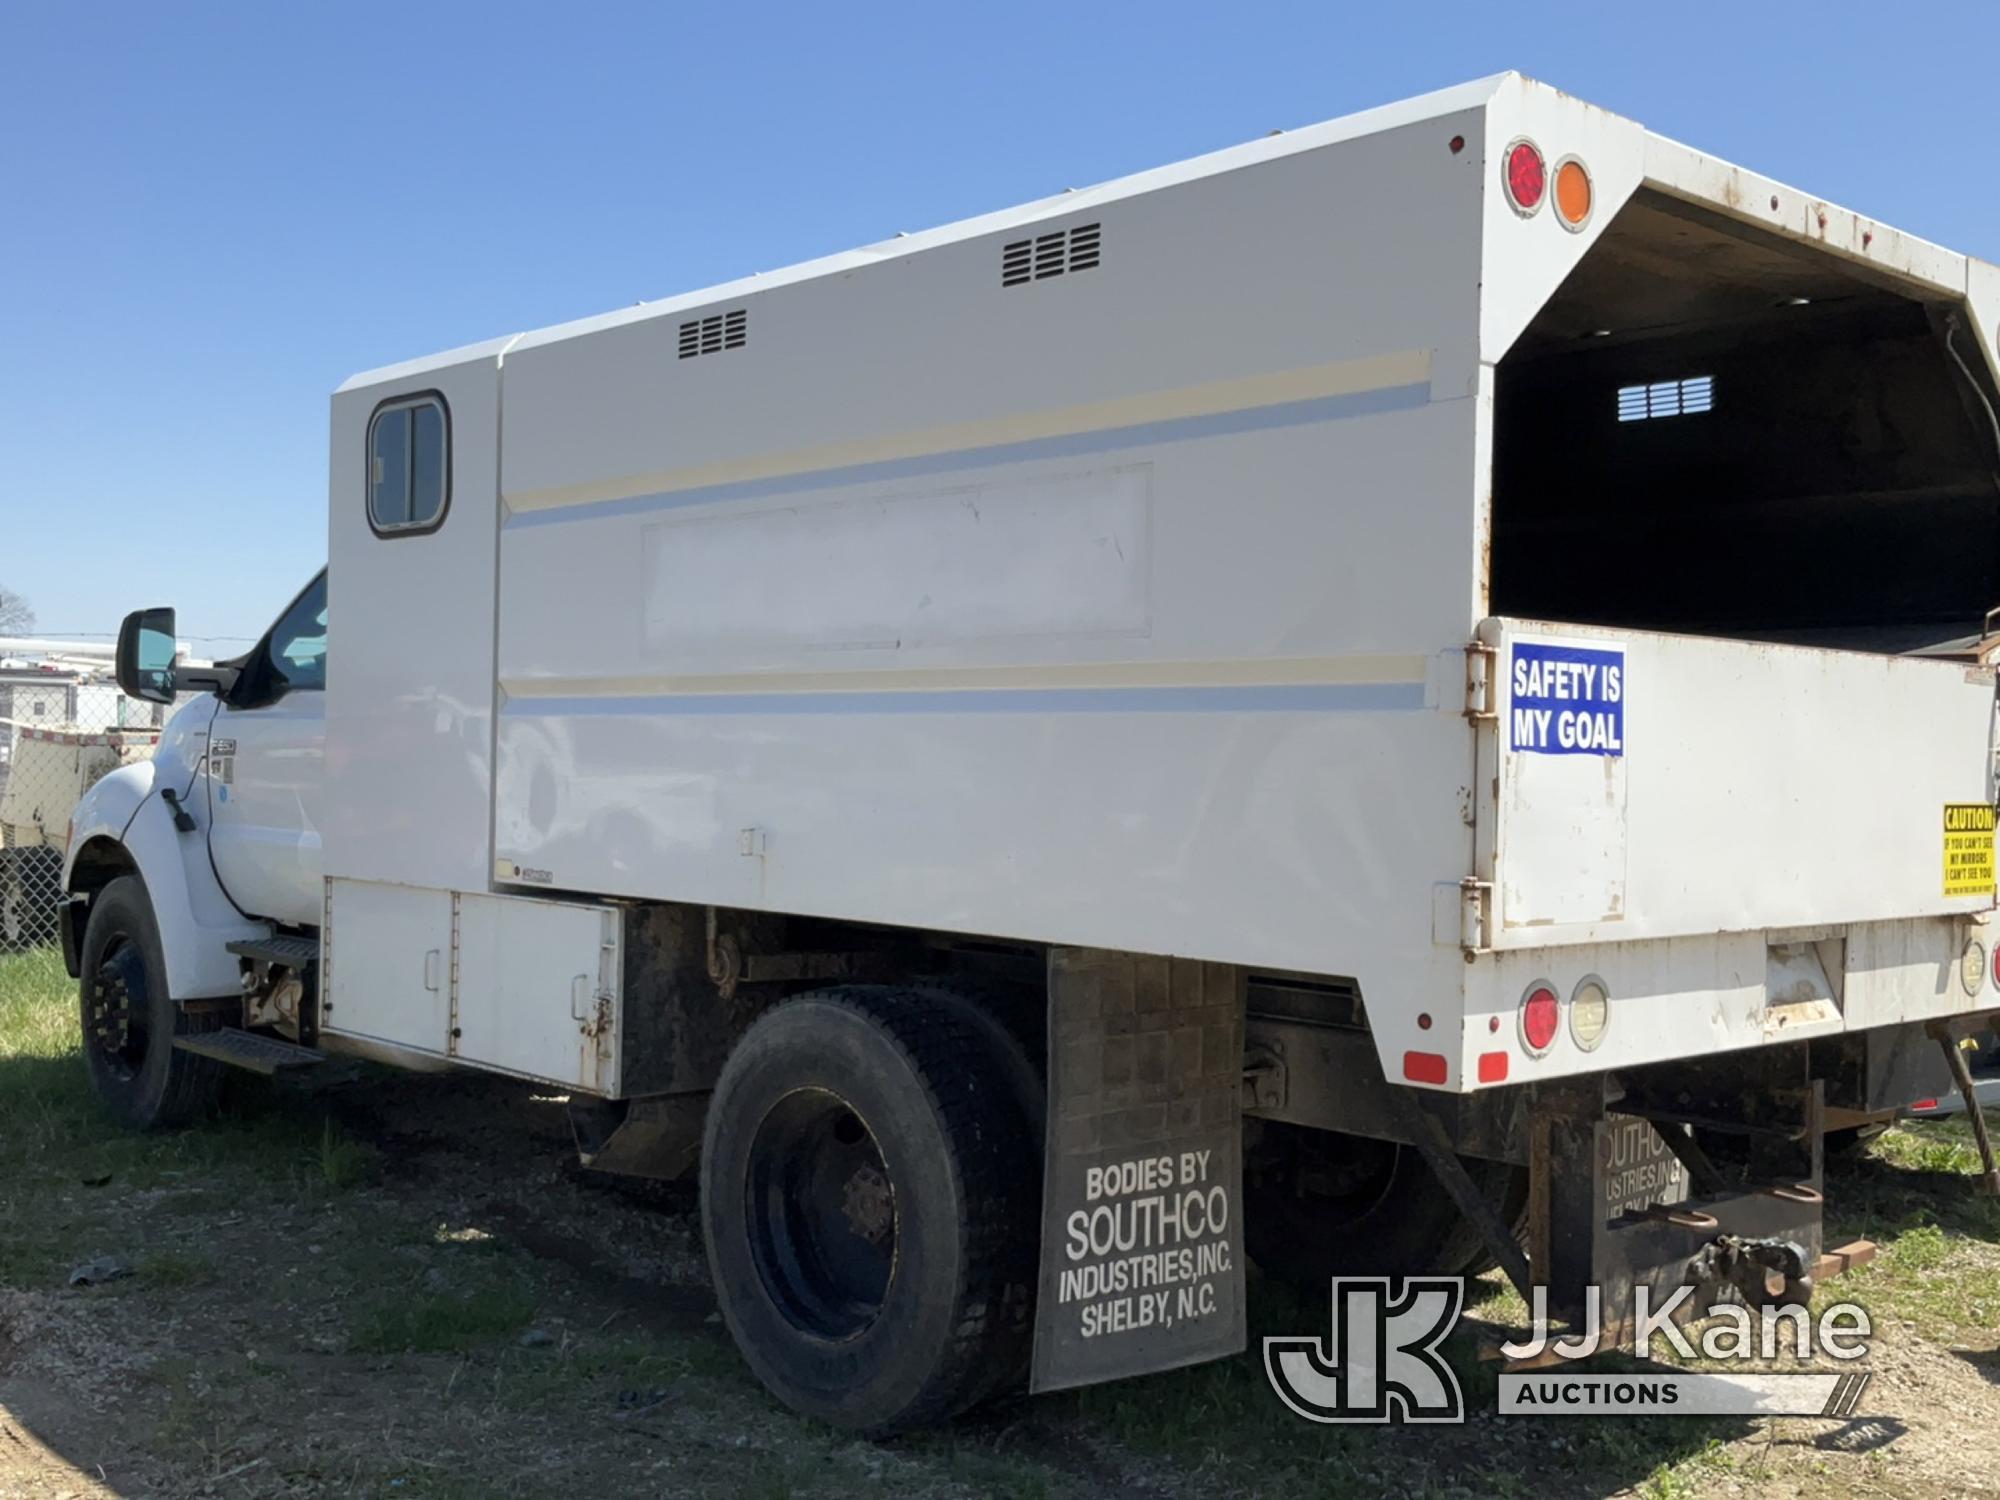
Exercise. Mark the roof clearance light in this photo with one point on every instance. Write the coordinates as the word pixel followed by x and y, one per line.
pixel 1589 1013
pixel 1541 1017
pixel 1526 176
pixel 1574 195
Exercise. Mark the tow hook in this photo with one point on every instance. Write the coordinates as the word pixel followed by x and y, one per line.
pixel 1764 1272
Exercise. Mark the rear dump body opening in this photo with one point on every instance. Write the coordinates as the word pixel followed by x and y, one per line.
pixel 1714 431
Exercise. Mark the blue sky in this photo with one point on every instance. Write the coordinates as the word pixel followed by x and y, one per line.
pixel 211 214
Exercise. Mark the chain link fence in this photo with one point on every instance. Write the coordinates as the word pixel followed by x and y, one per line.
pixel 61 728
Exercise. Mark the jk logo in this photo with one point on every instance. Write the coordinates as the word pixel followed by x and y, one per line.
pixel 1380 1362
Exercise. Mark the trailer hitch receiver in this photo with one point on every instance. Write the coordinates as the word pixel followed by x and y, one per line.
pixel 1766 1273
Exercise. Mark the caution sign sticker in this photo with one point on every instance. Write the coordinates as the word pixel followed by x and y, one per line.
pixel 1968 849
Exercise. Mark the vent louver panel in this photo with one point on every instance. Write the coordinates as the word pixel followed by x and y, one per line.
pixel 1057 253
pixel 713 334
pixel 1689 397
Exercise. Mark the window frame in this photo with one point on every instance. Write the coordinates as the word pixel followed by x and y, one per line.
pixel 254 685
pixel 405 402
pixel 270 664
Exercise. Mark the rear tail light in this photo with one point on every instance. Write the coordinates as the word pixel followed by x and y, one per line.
pixel 1525 175
pixel 1972 966
pixel 1541 1017
pixel 1424 1067
pixel 1574 194
pixel 1589 1012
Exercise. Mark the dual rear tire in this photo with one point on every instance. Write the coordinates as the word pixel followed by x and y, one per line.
pixel 870 1197
pixel 1318 1204
pixel 871 1201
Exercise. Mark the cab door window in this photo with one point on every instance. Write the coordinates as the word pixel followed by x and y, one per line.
pixel 295 659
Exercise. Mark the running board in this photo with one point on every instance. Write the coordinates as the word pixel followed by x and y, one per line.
pixel 292 952
pixel 245 1049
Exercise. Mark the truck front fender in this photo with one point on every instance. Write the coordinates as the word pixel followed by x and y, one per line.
pixel 121 826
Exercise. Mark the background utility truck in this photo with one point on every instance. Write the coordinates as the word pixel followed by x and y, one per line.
pixel 1315 707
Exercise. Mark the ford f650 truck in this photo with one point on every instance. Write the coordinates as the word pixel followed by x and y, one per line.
pixel 1356 704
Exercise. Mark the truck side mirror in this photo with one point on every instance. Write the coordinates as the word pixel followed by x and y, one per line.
pixel 146 655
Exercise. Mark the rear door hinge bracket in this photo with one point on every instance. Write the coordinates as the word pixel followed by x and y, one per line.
pixel 1481 691
pixel 1475 916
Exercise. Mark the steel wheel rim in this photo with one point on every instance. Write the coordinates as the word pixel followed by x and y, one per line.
pixel 822 1214
pixel 117 1014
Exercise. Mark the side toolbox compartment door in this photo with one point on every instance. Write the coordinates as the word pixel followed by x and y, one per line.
pixel 538 990
pixel 387 964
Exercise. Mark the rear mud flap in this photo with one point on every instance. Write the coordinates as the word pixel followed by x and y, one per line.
pixel 1142 1249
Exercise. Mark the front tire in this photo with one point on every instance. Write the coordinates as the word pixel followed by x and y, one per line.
pixel 130 1021
pixel 870 1205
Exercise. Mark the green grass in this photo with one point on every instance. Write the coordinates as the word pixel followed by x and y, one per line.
pixel 441 1322
pixel 349 1261
pixel 341 1161
pixel 66 1169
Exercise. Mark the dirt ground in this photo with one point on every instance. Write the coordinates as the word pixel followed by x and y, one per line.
pixel 381 1284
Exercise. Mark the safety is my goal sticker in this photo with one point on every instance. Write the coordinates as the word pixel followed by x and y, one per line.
pixel 1968 849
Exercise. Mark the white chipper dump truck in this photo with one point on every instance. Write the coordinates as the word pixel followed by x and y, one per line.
pixel 1352 704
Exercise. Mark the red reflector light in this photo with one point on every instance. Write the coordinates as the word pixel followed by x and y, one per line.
pixel 1925 1104
pixel 1492 1067
pixel 1423 1067
pixel 1541 1017
pixel 1526 176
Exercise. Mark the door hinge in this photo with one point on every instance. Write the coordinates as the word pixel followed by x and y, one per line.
pixel 1481 667
pixel 1475 917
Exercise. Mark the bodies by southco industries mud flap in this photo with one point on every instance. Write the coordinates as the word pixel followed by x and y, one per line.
pixel 1142 1259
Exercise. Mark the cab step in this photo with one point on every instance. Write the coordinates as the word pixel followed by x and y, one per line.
pixel 245 1049
pixel 292 952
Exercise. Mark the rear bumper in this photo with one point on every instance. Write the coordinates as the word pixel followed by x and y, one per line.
pixel 1678 998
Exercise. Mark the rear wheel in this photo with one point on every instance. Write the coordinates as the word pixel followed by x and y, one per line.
pixel 130 1021
pixel 1318 1204
pixel 870 1205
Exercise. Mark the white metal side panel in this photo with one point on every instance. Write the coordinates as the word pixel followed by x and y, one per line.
pixel 1751 787
pixel 1213 297
pixel 1107 609
pixel 388 964
pixel 1230 741
pixel 409 696
pixel 538 990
